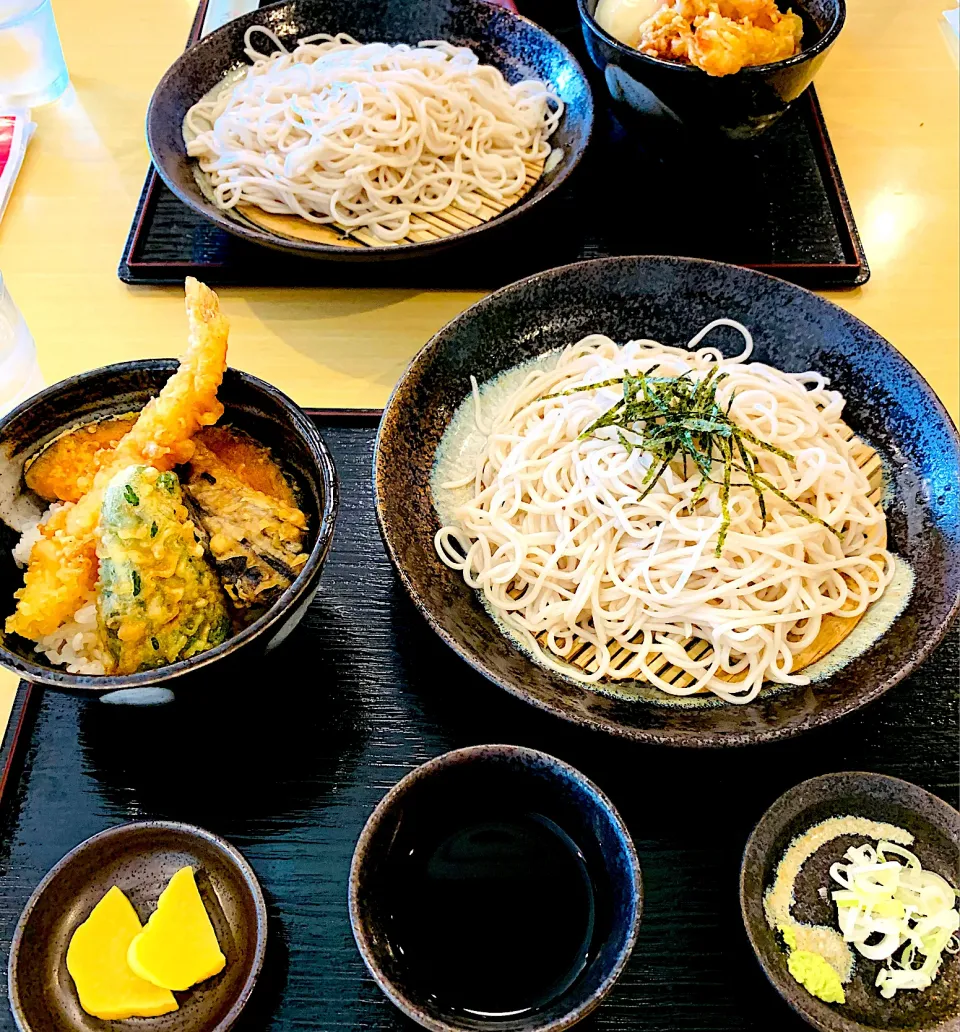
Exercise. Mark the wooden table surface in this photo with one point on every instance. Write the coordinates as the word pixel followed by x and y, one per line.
pixel 889 94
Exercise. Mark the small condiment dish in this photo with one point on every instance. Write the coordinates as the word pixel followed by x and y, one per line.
pixel 935 826
pixel 460 813
pixel 139 859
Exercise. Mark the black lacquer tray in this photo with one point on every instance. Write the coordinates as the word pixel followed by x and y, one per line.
pixel 289 762
pixel 777 204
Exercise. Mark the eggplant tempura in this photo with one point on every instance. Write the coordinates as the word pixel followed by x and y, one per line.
pixel 255 540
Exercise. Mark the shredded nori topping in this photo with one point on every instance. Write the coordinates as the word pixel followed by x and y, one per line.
pixel 678 417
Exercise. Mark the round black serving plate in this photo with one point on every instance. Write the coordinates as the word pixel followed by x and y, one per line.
pixel 936 829
pixel 737 106
pixel 520 49
pixel 139 859
pixel 251 405
pixel 669 299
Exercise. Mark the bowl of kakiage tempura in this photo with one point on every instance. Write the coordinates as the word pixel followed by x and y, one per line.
pixel 158 517
pixel 719 74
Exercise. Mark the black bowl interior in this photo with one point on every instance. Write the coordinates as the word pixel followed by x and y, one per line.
pixel 936 829
pixel 249 404
pixel 492 781
pixel 669 299
pixel 520 49
pixel 140 859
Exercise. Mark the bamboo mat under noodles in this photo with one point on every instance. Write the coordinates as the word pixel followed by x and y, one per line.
pixel 428 226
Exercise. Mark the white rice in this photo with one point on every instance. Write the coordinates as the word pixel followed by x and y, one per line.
pixel 30 535
pixel 76 643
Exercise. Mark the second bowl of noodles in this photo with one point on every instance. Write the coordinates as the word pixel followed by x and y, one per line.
pixel 383 130
pixel 669 502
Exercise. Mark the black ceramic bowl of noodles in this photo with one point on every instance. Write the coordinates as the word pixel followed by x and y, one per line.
pixel 250 405
pixel 516 46
pixel 669 300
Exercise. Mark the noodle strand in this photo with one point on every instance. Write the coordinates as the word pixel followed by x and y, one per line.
pixel 354 134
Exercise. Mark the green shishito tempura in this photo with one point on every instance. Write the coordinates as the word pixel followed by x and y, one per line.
pixel 159 600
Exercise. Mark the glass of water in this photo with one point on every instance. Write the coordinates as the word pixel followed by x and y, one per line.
pixel 32 69
pixel 20 375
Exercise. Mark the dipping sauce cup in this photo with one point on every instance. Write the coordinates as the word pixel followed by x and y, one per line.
pixel 495 887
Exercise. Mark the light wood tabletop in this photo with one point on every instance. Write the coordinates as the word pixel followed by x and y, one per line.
pixel 889 94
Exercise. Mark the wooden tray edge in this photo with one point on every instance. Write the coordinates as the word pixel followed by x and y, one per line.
pixel 22 712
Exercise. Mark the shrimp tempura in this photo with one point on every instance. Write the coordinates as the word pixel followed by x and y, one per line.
pixel 63 563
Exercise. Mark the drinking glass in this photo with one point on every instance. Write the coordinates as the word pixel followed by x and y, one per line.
pixel 32 69
pixel 20 375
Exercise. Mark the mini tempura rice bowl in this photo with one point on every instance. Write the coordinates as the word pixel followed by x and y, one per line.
pixel 251 406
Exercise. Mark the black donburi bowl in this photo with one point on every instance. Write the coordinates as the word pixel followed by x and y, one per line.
pixel 514 45
pixel 669 299
pixel 738 106
pixel 249 404
pixel 496 778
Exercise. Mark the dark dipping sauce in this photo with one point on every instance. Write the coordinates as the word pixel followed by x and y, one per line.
pixel 493 913
pixel 495 890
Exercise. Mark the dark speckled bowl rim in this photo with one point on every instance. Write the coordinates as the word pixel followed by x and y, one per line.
pixel 229 852
pixel 472 754
pixel 288 601
pixel 751 71
pixel 838 1023
pixel 413 250
pixel 704 739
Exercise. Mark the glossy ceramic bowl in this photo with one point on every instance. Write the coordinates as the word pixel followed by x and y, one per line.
pixel 503 777
pixel 669 299
pixel 249 404
pixel 520 49
pixel 139 859
pixel 738 106
pixel 936 829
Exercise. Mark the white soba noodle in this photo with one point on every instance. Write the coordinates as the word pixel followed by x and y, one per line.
pixel 368 135
pixel 551 528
